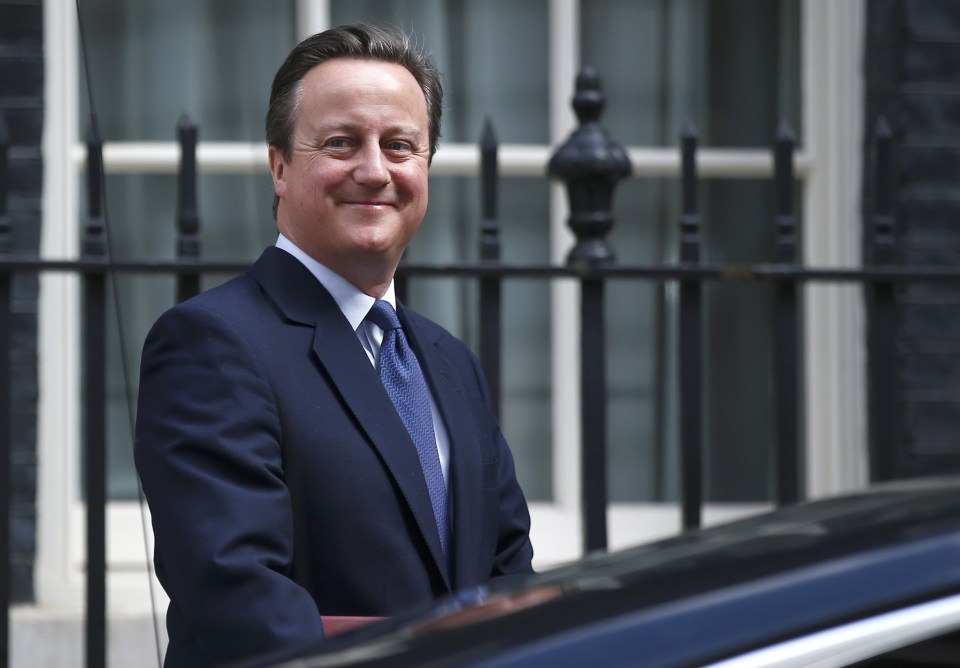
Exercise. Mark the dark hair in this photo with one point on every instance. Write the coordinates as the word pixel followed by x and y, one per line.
pixel 348 41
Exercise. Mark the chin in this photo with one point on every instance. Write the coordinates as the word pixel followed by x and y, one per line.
pixel 382 251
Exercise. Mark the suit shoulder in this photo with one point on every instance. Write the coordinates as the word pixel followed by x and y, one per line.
pixel 234 309
pixel 238 291
pixel 227 300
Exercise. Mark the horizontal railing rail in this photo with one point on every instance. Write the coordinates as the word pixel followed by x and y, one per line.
pixel 734 273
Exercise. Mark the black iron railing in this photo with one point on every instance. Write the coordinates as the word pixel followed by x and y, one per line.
pixel 590 165
pixel 6 437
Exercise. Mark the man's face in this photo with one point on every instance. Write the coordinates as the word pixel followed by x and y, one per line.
pixel 354 189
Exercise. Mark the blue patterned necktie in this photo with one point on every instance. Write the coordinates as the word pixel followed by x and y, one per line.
pixel 401 376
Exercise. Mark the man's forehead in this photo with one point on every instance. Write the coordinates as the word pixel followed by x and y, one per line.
pixel 349 61
pixel 319 91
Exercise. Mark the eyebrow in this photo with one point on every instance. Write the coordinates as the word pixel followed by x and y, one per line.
pixel 399 129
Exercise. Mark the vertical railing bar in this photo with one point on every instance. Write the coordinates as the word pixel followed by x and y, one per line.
pixel 6 435
pixel 785 345
pixel 593 411
pixel 882 343
pixel 491 329
pixel 188 221
pixel 666 60
pixel 94 399
pixel 691 446
pixel 590 164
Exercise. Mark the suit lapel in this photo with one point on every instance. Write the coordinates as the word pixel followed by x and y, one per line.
pixel 336 346
pixel 465 494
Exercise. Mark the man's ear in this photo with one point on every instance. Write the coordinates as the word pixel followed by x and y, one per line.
pixel 277 165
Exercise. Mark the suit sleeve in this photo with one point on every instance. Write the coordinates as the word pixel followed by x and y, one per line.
pixel 514 551
pixel 209 457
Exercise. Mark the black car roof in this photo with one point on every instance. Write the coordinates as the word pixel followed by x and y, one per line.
pixel 696 597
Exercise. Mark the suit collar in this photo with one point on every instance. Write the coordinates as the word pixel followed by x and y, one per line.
pixel 277 271
pixel 353 302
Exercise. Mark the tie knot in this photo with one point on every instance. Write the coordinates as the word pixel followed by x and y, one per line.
pixel 383 316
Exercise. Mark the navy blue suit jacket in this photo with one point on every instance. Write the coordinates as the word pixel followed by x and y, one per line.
pixel 283 484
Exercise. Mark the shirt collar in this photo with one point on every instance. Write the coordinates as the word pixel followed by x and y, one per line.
pixel 354 303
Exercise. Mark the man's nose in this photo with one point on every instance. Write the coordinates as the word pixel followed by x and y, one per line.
pixel 371 168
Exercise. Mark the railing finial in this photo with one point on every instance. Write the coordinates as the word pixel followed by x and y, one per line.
pixel 188 218
pixel 94 237
pixel 590 164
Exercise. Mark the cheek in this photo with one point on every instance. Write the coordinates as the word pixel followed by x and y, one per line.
pixel 417 186
pixel 320 177
pixel 423 204
pixel 316 189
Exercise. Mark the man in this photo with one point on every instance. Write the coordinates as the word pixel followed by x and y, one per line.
pixel 283 482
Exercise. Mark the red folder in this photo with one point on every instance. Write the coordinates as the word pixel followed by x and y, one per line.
pixel 336 625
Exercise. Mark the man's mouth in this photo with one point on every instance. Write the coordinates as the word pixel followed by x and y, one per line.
pixel 367 203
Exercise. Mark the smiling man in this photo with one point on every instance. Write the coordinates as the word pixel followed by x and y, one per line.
pixel 307 445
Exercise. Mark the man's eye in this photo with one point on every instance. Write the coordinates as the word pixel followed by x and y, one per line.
pixel 338 142
pixel 398 146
